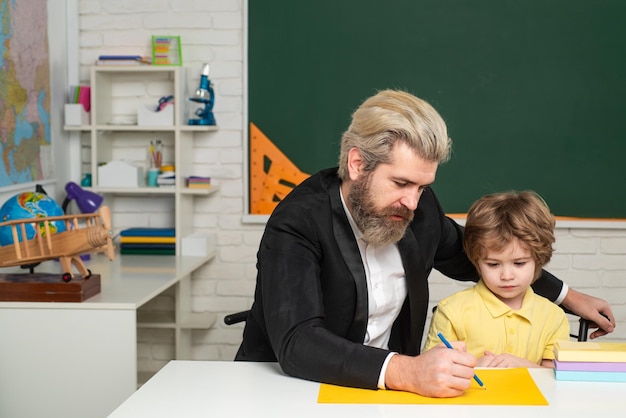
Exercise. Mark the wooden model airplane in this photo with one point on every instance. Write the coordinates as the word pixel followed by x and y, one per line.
pixel 94 235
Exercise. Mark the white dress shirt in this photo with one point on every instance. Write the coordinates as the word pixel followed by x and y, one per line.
pixel 386 290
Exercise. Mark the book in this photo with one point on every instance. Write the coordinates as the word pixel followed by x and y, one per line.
pixel 589 376
pixel 199 179
pixel 581 366
pixel 198 186
pixel 134 251
pixel 148 232
pixel 84 97
pixel 167 178
pixel 148 246
pixel 589 351
pixel 122 60
pixel 146 240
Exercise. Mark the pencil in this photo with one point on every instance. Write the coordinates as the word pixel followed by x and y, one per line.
pixel 447 344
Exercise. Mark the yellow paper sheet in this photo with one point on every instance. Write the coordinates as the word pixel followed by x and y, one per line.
pixel 502 387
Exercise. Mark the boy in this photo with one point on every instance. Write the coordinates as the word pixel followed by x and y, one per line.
pixel 508 237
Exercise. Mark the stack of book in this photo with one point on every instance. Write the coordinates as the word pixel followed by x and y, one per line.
pixel 166 178
pixel 590 361
pixel 122 60
pixel 198 182
pixel 148 241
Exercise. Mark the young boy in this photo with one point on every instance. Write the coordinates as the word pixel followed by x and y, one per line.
pixel 508 237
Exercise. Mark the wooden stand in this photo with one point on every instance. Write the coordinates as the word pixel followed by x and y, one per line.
pixel 47 287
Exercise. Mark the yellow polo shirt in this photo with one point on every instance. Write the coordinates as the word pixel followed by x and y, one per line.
pixel 479 318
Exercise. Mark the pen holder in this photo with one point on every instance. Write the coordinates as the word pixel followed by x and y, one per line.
pixel 152 177
pixel 75 115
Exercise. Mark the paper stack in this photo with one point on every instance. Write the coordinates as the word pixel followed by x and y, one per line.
pixel 590 361
pixel 148 241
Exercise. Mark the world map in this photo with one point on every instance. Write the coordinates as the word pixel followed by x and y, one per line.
pixel 24 90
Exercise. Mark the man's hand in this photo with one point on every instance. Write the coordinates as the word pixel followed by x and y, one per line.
pixel 596 310
pixel 438 372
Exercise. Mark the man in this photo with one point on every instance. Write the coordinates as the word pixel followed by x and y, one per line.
pixel 342 290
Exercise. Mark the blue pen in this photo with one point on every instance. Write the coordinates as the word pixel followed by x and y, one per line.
pixel 443 340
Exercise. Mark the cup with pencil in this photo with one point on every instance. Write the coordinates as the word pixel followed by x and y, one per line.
pixel 156 159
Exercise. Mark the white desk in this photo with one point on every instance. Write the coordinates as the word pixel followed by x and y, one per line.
pixel 79 359
pixel 236 389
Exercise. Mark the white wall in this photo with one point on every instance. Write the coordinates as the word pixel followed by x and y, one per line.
pixel 590 259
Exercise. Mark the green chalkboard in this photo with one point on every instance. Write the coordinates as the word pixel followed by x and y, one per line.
pixel 532 91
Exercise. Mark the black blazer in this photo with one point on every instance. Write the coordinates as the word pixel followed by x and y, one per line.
pixel 310 307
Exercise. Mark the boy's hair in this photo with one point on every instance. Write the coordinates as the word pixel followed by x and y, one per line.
pixel 495 220
pixel 388 117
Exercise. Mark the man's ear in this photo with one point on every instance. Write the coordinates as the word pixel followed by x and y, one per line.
pixel 355 163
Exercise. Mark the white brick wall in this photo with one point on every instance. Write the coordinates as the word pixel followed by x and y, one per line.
pixel 592 259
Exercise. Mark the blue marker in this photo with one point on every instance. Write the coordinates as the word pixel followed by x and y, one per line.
pixel 443 340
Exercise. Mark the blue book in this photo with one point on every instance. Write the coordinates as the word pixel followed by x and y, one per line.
pixel 589 376
pixel 120 57
pixel 148 232
pixel 148 246
pixel 126 251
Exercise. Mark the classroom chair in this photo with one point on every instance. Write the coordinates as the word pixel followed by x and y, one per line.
pixel 583 327
pixel 236 318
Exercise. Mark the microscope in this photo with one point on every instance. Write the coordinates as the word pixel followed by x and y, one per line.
pixel 204 94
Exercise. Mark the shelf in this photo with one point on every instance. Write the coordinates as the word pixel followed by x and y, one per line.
pixel 200 192
pixel 154 190
pixel 165 320
pixel 198 128
pixel 134 190
pixel 135 68
pixel 138 128
pixel 155 319
pixel 185 128
pixel 84 128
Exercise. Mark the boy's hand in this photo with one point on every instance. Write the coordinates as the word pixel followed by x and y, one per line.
pixel 503 360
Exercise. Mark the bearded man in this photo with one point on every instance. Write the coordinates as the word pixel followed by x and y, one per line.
pixel 342 286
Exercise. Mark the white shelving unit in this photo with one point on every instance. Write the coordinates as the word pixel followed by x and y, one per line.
pixel 117 92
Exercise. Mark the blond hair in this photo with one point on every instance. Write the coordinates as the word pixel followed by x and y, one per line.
pixel 388 117
pixel 495 220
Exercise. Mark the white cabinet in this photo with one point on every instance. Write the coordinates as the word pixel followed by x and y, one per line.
pixel 79 359
pixel 118 94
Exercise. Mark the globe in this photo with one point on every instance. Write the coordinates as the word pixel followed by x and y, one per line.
pixel 29 205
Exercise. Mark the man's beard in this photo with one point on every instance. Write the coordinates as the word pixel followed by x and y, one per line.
pixel 376 225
